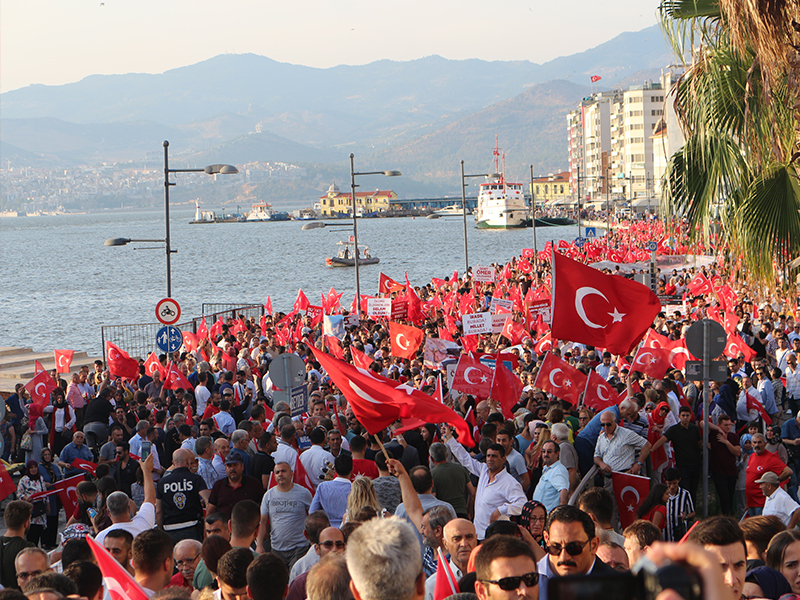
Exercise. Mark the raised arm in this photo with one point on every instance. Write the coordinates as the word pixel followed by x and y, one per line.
pixel 411 500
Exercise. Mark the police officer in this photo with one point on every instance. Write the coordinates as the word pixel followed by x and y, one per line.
pixel 180 496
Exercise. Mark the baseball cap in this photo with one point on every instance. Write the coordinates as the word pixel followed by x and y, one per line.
pixel 768 477
pixel 233 459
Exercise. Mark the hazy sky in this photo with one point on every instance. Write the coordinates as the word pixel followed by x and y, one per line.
pixel 61 41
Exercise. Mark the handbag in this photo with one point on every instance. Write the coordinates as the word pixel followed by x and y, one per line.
pixel 39 508
pixel 26 443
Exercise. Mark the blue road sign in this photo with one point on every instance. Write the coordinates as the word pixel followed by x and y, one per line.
pixel 652 246
pixel 298 402
pixel 580 242
pixel 590 232
pixel 169 339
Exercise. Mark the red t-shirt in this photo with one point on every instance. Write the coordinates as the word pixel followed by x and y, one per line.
pixel 362 466
pixel 178 581
pixel 659 508
pixel 210 411
pixel 756 467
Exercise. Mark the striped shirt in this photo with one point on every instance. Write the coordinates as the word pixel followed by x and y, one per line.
pixel 619 452
pixel 677 504
pixel 793 382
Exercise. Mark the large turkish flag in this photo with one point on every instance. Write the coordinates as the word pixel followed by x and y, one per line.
pixel 599 394
pixel 651 361
pixel 602 310
pixel 405 339
pixel 473 377
pixel 63 360
pixel 119 583
pixel 629 493
pixel 120 364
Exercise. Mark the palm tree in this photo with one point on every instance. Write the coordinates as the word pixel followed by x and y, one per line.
pixel 737 105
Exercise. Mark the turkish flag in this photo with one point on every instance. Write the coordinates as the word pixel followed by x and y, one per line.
pixel 700 285
pixel 202 330
pixel 40 387
pixel 730 322
pixel 63 360
pixel 446 583
pixel 445 335
pixel 543 345
pixel 119 583
pixel 727 298
pixel 67 493
pixel 299 476
pixel 629 493
pixel 753 403
pixel 414 304
pixel 120 364
pixel 599 394
pixel 301 302
pixel 617 315
pixel 7 486
pixel 595 78
pixel 655 340
pixel 622 363
pixel 679 353
pixel 333 345
pixel 514 332
pixel 405 339
pixel 152 364
pixel 387 285
pixel 473 377
pixel 506 388
pixel 216 330
pixel 359 358
pixel 174 379
pixel 524 265
pixel 190 340
pixel 268 305
pixel 527 253
pixel 736 345
pixel 84 465
pixel 369 397
pixel 560 379
pixel 651 361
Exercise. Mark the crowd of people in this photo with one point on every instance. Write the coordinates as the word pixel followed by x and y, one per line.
pixel 217 490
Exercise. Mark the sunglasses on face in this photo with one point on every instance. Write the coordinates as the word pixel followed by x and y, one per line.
pixel 508 584
pixel 606 424
pixel 572 548
pixel 330 544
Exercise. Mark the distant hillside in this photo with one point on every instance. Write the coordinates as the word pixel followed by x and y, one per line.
pixel 531 130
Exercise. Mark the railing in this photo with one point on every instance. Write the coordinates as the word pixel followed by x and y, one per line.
pixel 139 339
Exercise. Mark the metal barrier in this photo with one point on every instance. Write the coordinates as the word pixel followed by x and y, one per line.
pixel 139 339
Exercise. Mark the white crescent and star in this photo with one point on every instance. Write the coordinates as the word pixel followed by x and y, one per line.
pixel 61 360
pixel 583 292
pixel 641 359
pixel 466 375
pixel 362 394
pixel 553 372
pixel 599 392
pixel 36 389
pixel 113 354
pixel 635 491
pixel 403 346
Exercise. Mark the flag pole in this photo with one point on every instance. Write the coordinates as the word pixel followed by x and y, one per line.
pixel 383 448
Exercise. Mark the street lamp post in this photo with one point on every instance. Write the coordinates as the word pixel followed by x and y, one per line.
pixel 533 226
pixel 353 186
pixel 218 169
pixel 608 210
pixel 464 208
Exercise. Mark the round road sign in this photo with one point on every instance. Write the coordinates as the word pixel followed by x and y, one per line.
pixel 169 339
pixel 652 246
pixel 168 311
pixel 287 371
pixel 717 341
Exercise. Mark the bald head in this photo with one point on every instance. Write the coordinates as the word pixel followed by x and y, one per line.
pixel 181 457
pixel 459 539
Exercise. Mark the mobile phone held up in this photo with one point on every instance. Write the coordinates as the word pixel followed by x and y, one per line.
pixel 146 450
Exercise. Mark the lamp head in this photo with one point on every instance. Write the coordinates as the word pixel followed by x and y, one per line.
pixel 392 173
pixel 117 242
pixel 220 170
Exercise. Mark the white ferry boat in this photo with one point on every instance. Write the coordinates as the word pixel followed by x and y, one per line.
pixel 454 210
pixel 260 212
pixel 501 205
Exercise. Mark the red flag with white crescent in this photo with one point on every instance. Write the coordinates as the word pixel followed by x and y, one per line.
pixel 118 582
pixel 268 305
pixel 735 345
pixel 405 339
pixel 629 493
pixel 68 494
pixel 545 344
pixel 84 465
pixel 651 361
pixel 473 377
pixel 560 379
pixel 40 387
pixel 202 330
pixel 175 379
pixel 120 364
pixel 360 359
pixel 63 360
pixel 216 330
pixel 152 364
pixel 7 486
pixel 599 394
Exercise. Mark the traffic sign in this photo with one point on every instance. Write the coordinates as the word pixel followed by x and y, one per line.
pixel 169 339
pixel 694 370
pixel 590 232
pixel 580 242
pixel 652 246
pixel 297 401
pixel 168 311
pixel 717 341
pixel 287 371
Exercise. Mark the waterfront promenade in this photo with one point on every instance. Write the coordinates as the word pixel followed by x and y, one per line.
pixel 18 365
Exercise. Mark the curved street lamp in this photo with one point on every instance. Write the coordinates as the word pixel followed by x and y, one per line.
pixel 218 169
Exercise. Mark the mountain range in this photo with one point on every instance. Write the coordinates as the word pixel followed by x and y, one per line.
pixel 422 116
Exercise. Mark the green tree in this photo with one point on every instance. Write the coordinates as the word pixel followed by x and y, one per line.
pixel 737 104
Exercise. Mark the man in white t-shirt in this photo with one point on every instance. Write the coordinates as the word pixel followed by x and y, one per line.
pixel 778 502
pixel 120 507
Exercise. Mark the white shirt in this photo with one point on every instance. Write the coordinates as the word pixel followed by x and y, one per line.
pixel 304 564
pixel 781 505
pixel 285 453
pixel 314 459
pixel 504 494
pixel 619 452
pixel 202 395
pixel 145 519
pixel 225 423
pixel 430 582
pixel 219 467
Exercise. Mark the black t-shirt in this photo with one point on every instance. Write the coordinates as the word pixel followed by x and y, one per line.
pixel 685 443
pixel 98 410
pixel 263 464
pixel 179 492
pixel 9 548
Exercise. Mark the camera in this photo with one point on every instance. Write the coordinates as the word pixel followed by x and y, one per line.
pixel 644 582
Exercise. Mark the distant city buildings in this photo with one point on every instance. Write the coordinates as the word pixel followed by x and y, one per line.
pixel 619 142
pixel 552 188
pixel 336 203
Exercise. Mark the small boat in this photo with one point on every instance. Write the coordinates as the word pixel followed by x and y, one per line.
pixel 345 256
pixel 454 210
pixel 260 212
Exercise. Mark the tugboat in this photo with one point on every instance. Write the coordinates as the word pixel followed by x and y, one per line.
pixel 501 205
pixel 345 256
